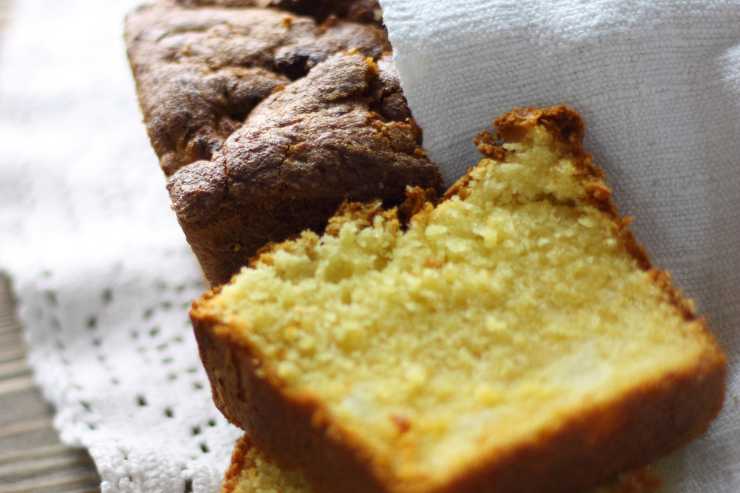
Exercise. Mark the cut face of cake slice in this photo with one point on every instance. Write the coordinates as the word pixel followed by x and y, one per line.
pixel 512 338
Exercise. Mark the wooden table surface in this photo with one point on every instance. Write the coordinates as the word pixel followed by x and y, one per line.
pixel 32 459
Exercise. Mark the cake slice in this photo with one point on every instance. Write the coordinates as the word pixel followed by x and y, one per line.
pixel 512 338
pixel 251 471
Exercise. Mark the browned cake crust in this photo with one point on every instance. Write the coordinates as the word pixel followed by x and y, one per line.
pixel 310 117
pixel 239 461
pixel 354 10
pixel 650 421
pixel 200 71
pixel 338 133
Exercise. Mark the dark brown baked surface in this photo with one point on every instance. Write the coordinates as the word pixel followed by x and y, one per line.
pixel 200 71
pixel 650 420
pixel 355 10
pixel 324 139
pixel 265 120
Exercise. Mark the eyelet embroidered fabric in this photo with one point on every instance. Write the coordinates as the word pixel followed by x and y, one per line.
pixel 102 273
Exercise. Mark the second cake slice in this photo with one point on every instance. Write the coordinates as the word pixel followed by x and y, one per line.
pixel 514 338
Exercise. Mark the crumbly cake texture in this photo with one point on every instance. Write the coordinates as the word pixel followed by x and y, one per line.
pixel 250 471
pixel 512 338
pixel 265 120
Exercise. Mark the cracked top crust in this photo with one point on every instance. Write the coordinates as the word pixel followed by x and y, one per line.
pixel 266 120
pixel 341 132
pixel 200 70
pixel 354 10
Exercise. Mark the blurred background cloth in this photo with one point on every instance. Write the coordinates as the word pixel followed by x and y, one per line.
pixel 101 270
pixel 658 84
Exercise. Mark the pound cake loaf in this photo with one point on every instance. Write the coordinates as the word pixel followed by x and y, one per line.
pixel 512 338
pixel 265 120
pixel 251 471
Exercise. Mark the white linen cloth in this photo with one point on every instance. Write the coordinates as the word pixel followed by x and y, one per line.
pixel 658 84
pixel 103 274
